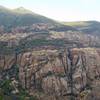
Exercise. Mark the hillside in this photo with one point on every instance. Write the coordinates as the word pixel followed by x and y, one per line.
pixel 21 17
pixel 41 59
pixel 88 27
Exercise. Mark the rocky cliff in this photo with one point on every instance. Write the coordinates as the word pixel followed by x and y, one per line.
pixel 68 74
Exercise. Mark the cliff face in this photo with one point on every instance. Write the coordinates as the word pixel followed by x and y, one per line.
pixel 71 74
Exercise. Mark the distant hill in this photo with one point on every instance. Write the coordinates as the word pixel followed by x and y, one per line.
pixel 88 27
pixel 22 17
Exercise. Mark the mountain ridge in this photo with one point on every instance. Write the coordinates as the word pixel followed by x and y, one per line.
pixel 21 17
pixel 88 27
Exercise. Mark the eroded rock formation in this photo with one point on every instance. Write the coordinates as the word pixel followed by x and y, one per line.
pixel 72 74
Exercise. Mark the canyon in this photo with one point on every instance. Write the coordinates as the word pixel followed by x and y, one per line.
pixel 42 59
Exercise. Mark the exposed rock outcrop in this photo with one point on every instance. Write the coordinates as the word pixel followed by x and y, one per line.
pixel 73 74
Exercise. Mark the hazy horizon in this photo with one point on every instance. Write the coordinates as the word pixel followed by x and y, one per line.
pixel 62 10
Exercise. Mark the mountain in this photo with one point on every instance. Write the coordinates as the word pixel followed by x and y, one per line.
pixel 41 59
pixel 21 17
pixel 88 27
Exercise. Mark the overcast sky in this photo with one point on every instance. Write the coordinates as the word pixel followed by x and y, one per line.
pixel 62 10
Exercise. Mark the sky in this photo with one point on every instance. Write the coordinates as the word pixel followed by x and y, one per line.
pixel 60 10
